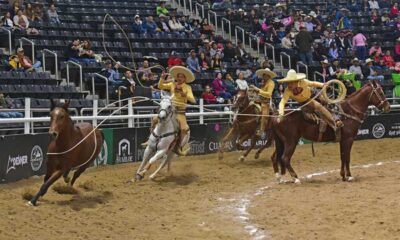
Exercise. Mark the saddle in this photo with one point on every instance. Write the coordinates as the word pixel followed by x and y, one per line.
pixel 312 117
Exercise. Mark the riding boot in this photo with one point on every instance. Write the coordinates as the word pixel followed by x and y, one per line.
pixel 154 122
pixel 183 146
pixel 261 129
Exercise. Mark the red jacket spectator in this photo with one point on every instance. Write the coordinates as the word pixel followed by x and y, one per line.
pixel 174 60
pixel 208 97
pixel 388 59
pixel 394 11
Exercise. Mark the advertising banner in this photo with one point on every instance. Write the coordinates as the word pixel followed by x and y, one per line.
pixel 106 154
pixel 124 146
pixel 383 126
pixel 25 156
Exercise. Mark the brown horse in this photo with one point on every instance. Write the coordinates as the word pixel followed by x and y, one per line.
pixel 352 111
pixel 67 150
pixel 244 126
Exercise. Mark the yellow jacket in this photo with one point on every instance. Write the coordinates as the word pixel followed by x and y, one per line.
pixel 304 96
pixel 267 89
pixel 14 64
pixel 178 100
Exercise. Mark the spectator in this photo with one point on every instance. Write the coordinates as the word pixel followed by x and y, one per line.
pixel 330 39
pixel 203 61
pixel 129 81
pixel 14 9
pixel 221 4
pixel 146 74
pixel 388 60
pixel 206 48
pixel 230 84
pixel 229 52
pixel 161 9
pixel 320 51
pixel 175 25
pixel 38 12
pixel 241 82
pixel 375 19
pixel 373 4
pixel 219 87
pixel 397 50
pixel 325 69
pixel 73 50
pixel 52 14
pixel 206 27
pixel 287 43
pixel 6 21
pixel 86 53
pixel 371 72
pixel 335 71
pixel 360 43
pixel 187 27
pixel 349 87
pixel 138 27
pixel 22 23
pixel 353 6
pixel 208 96
pixel 162 24
pixel 193 63
pixel 375 52
pixel 267 64
pixel 29 13
pixel 356 69
pixel 333 52
pixel 214 50
pixel 174 60
pixel 304 41
pixel 216 63
pixel 7 103
pixel 343 44
pixel 26 63
pixel 394 10
pixel 150 26
pixel 309 24
pixel 111 73
pixel 317 33
pixel 241 54
pixel 299 23
pixel 14 63
pixel 381 66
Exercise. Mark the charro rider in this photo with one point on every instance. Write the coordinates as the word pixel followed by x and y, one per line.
pixel 264 95
pixel 299 89
pixel 181 93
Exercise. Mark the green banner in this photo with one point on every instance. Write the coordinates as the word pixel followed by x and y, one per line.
pixel 106 155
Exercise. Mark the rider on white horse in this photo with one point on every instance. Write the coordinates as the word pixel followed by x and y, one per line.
pixel 181 94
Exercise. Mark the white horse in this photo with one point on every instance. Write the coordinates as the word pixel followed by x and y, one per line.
pixel 162 140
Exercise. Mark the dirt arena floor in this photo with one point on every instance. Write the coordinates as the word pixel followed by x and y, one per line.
pixel 203 198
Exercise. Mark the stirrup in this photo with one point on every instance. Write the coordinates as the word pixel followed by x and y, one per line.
pixel 182 151
pixel 339 124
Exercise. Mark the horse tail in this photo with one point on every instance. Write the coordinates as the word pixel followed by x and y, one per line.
pixel 280 148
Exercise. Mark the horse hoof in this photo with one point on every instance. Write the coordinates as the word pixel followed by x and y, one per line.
pixel 297 181
pixel 241 158
pixel 152 177
pixel 256 156
pixel 30 204
pixel 350 179
pixel 138 177
pixel 66 180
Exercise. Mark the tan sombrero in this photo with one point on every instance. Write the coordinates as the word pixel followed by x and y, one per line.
pixel 174 71
pixel 261 72
pixel 292 76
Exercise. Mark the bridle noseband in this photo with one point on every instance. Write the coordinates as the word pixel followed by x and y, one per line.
pixel 377 91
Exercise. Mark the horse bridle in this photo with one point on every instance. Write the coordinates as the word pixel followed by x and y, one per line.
pixel 375 90
pixel 168 113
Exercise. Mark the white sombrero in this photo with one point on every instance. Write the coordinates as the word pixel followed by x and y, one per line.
pixel 261 72
pixel 292 76
pixel 174 71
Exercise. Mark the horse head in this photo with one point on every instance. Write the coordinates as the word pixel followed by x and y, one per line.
pixel 377 97
pixel 165 109
pixel 241 100
pixel 59 118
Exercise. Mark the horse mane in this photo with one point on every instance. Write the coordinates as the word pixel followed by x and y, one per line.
pixel 357 92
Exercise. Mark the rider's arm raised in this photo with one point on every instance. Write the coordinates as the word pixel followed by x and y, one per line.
pixel 314 83
pixel 284 100
pixel 163 85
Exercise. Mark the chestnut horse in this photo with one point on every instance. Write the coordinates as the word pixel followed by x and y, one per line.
pixel 352 111
pixel 244 126
pixel 67 150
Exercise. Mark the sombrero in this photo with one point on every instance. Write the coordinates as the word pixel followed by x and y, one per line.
pixel 292 76
pixel 261 72
pixel 174 71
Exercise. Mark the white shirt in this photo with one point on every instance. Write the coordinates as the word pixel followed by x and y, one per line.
pixel 373 4
pixel 16 21
pixel 286 43
pixel 175 26
pixel 242 84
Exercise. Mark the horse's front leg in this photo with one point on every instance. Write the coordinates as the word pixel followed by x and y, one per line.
pixel 241 140
pixel 270 139
pixel 226 138
pixel 156 156
pixel 345 149
pixel 162 165
pixel 146 157
pixel 45 186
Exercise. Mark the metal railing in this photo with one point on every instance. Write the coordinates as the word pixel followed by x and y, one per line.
pixel 9 39
pixel 254 37
pixel 93 85
pixel 21 44
pixel 283 54
pixel 44 51
pixel 223 21
pixel 237 28
pixel 215 19
pixel 304 65
pixel 197 5
pixel 266 46
pixel 319 74
pixel 80 73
